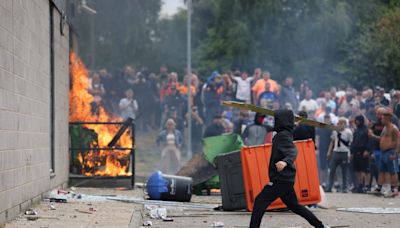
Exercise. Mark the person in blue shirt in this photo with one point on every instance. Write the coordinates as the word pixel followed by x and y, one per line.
pixel 267 95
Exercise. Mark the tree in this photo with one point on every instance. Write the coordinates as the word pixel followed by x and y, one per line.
pixel 301 38
pixel 374 58
pixel 124 32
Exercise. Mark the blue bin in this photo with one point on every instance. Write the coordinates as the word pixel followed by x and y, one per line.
pixel 169 187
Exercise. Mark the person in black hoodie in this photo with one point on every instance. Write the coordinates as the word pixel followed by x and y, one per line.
pixel 360 154
pixel 282 173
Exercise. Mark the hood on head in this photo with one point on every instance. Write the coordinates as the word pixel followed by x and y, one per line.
pixel 359 121
pixel 284 120
pixel 211 78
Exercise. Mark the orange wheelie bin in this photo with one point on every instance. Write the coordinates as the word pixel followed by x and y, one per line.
pixel 255 163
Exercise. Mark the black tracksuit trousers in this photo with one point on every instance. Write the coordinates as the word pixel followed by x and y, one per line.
pixel 285 191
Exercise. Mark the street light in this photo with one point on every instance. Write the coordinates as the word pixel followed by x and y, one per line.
pixel 189 73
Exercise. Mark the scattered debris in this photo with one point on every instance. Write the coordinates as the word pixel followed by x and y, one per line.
pixel 92 209
pixel 158 213
pixel 371 210
pixel 52 207
pixel 164 203
pixel 31 211
pixel 147 223
pixel 36 217
pixel 58 200
pixel 62 192
pixel 82 211
pixel 168 219
pixel 150 207
pixel 57 195
pixel 217 224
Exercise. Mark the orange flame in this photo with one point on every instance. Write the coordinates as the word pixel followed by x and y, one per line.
pixel 99 162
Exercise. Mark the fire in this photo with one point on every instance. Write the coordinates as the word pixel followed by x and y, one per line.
pixel 96 162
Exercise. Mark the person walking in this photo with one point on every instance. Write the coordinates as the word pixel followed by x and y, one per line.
pixel 282 173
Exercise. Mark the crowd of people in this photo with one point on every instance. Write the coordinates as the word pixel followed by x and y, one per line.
pixel 365 147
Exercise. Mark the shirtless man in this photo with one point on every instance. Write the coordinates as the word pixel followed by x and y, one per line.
pixel 388 143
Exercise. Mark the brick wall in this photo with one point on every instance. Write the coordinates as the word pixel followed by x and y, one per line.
pixel 25 104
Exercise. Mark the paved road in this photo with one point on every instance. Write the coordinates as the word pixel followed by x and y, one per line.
pixel 287 219
pixel 119 214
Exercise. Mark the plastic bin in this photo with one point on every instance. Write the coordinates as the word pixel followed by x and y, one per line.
pixel 255 163
pixel 216 145
pixel 231 181
pixel 169 187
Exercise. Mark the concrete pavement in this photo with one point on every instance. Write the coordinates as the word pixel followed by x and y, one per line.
pixel 120 214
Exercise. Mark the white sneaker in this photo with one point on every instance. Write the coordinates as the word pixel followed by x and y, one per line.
pixel 390 194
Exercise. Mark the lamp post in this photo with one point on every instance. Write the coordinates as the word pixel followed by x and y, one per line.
pixel 189 73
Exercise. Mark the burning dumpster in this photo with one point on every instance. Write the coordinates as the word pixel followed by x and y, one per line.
pixel 101 145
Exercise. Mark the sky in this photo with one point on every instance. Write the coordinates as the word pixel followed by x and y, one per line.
pixel 170 7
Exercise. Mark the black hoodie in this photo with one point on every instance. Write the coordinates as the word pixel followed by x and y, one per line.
pixel 283 148
pixel 360 136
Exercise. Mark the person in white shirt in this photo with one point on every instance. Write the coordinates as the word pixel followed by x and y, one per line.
pixel 328 111
pixel 308 104
pixel 339 153
pixel 329 102
pixel 128 105
pixel 243 91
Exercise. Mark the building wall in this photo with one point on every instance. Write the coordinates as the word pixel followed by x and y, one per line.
pixel 25 104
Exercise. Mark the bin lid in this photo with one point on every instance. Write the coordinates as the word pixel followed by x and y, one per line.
pixel 221 144
pixel 156 184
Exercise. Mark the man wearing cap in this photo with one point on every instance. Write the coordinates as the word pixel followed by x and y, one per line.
pixel 388 143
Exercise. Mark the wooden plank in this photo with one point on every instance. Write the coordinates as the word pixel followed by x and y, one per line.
pixel 270 112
